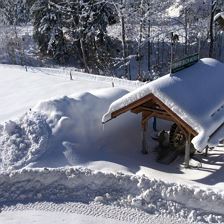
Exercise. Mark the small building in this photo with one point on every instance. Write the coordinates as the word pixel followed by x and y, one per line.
pixel 192 98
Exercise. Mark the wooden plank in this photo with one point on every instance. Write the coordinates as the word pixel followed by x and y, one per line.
pixel 152 109
pixel 136 110
pixel 164 117
pixel 146 116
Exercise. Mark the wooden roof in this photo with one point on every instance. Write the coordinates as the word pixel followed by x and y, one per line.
pixel 151 106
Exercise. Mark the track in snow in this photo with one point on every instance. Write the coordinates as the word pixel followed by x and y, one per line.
pixel 66 212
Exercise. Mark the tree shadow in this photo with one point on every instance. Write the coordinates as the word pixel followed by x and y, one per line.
pixel 213 163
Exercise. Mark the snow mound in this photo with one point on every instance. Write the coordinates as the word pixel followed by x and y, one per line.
pixel 57 132
pixel 87 186
pixel 23 141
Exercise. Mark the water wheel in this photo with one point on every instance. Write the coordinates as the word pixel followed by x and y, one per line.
pixel 177 140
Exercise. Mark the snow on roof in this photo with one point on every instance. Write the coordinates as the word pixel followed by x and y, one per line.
pixel 221 14
pixel 195 94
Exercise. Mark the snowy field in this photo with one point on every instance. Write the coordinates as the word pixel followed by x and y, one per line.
pixel 60 164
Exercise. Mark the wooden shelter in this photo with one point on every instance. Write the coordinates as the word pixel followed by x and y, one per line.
pixel 192 98
pixel 150 106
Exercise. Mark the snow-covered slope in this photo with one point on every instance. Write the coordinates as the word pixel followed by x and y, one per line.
pixel 20 90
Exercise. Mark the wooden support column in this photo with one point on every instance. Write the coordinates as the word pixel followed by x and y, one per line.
pixel 206 151
pixel 144 138
pixel 145 118
pixel 187 151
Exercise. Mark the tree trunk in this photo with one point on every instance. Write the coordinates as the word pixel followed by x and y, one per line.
pixel 211 33
pixel 149 47
pixel 140 40
pixel 186 32
pixel 123 35
pixel 84 56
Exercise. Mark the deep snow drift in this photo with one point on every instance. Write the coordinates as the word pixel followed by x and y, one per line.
pixel 67 131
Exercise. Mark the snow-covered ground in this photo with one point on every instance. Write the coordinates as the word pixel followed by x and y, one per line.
pixel 55 151
pixel 21 90
pixel 70 213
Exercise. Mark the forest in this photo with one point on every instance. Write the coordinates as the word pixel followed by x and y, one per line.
pixel 124 38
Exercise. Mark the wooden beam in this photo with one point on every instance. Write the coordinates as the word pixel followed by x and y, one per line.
pixel 136 110
pixel 165 113
pixel 154 113
pixel 164 117
pixel 132 105
pixel 151 109
pixel 176 118
pixel 146 116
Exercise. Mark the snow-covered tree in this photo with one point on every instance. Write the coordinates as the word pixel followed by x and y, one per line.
pixel 94 17
pixel 14 12
pixel 47 20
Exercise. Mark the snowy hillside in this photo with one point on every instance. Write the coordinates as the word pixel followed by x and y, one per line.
pixel 57 158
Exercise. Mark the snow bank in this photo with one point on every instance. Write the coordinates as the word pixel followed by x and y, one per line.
pixel 195 94
pixel 86 186
pixel 61 131
pixel 23 141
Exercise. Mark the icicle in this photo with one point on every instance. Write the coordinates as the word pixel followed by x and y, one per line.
pixel 103 126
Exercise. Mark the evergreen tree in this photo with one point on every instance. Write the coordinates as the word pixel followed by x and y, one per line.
pixel 14 12
pixel 47 20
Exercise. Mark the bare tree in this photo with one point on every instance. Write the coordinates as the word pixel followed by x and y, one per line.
pixel 211 27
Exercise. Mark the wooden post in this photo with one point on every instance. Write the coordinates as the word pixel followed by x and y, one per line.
pixel 206 151
pixel 144 137
pixel 187 151
pixel 144 123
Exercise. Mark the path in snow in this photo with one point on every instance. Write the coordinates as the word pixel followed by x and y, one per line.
pixel 70 213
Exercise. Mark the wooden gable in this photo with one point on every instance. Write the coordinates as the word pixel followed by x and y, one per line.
pixel 150 106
